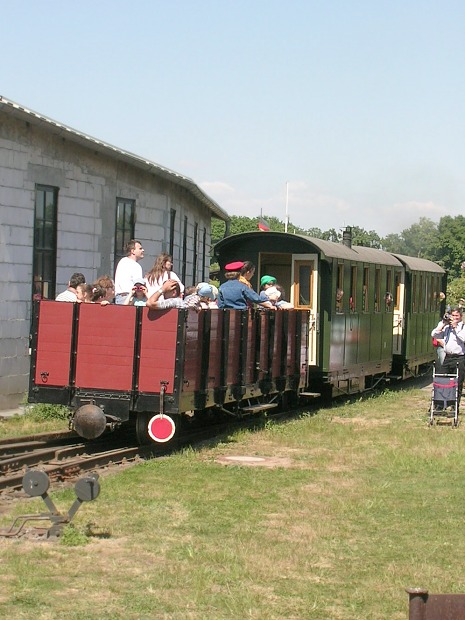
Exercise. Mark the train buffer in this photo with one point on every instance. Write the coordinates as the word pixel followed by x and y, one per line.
pixel 35 484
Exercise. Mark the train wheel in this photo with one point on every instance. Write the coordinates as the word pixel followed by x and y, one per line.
pixel 142 420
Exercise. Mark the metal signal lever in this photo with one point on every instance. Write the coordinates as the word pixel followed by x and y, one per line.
pixel 36 482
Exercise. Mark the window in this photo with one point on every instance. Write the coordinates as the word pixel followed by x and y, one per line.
pixel 388 299
pixel 304 284
pixel 45 242
pixel 421 297
pixel 172 222
pixel 397 284
pixel 366 278
pixel 204 252
pixel 194 260
pixel 125 222
pixel 353 289
pixel 184 251
pixel 340 288
pixel 414 294
pixel 377 289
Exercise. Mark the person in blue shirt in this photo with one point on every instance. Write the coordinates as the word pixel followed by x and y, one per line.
pixel 235 295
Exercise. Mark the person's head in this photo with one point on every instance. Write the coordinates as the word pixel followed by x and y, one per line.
pixel 456 315
pixel 233 270
pixel 272 293
pixel 140 288
pixel 97 294
pixel 84 292
pixel 76 279
pixel 206 293
pixel 266 281
pixel 248 270
pixel 163 262
pixel 173 290
pixel 134 250
pixel 107 283
pixel 190 290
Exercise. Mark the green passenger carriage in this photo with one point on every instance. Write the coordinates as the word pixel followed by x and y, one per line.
pixel 371 312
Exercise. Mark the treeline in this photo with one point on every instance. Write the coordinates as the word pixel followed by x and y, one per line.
pixel 443 242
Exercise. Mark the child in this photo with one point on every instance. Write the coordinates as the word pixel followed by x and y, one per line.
pixel 138 295
pixel 84 293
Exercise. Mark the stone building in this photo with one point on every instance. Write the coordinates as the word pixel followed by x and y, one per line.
pixel 70 202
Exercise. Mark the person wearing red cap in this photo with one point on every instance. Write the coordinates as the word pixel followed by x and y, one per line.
pixel 234 294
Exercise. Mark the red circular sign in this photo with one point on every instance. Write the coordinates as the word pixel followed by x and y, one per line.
pixel 161 428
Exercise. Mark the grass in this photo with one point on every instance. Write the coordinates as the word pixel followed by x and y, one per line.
pixel 369 503
pixel 39 418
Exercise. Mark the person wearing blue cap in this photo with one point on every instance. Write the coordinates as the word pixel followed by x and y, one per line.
pixel 234 294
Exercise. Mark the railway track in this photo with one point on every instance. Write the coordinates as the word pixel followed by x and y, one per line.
pixel 62 456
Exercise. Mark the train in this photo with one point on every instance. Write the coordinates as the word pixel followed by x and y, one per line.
pixel 360 317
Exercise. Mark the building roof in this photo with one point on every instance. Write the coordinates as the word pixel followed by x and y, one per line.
pixel 34 118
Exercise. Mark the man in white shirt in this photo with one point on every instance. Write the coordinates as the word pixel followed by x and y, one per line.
pixel 128 271
pixel 71 292
pixel 452 330
pixel 166 296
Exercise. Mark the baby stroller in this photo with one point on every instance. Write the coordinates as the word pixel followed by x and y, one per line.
pixel 445 397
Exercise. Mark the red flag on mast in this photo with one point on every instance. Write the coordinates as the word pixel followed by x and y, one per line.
pixel 263 225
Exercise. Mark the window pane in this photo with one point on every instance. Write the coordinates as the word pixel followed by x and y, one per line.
pixel 39 205
pixel 304 285
pixel 49 235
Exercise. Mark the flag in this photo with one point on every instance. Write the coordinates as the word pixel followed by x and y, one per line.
pixel 263 225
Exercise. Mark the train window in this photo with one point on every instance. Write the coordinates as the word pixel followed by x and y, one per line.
pixel 397 283
pixel 353 289
pixel 377 289
pixel 421 297
pixel 304 284
pixel 366 275
pixel 388 296
pixel 340 288
pixel 45 242
pixel 414 293
pixel 125 218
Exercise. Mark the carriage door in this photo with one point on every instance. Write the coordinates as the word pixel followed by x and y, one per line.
pixel 304 295
pixel 399 311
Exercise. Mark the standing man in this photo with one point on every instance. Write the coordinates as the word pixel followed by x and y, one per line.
pixel 128 271
pixel 71 293
pixel 452 330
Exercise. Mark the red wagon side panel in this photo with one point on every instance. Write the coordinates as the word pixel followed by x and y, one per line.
pixel 234 347
pixel 105 347
pixel 54 343
pixel 214 380
pixel 158 350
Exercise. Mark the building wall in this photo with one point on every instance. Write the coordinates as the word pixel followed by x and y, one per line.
pixel 89 183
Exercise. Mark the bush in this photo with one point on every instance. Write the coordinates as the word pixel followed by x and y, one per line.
pixel 45 411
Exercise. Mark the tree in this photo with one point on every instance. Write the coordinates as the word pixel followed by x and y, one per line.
pixel 418 240
pixel 449 244
pixel 368 239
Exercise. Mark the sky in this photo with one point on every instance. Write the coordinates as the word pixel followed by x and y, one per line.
pixel 351 112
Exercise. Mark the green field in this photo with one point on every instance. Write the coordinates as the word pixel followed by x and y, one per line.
pixel 356 503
